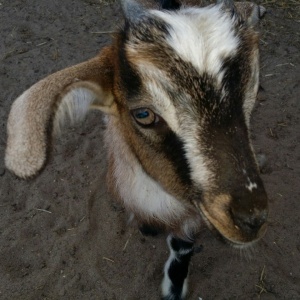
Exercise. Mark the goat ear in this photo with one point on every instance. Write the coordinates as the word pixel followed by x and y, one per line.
pixel 67 93
pixel 250 13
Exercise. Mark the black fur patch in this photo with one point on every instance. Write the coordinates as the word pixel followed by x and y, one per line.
pixel 130 80
pixel 148 30
pixel 149 230
pixel 235 80
pixel 170 4
pixel 178 244
pixel 173 147
pixel 178 269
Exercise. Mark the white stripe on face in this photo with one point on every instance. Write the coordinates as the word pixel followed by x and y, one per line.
pixel 184 125
pixel 156 81
pixel 203 37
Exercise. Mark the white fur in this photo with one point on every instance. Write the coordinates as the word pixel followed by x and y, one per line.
pixel 162 103
pixel 251 185
pixel 167 283
pixel 156 81
pixel 252 88
pixel 202 37
pixel 73 107
pixel 200 172
pixel 139 192
pixel 191 226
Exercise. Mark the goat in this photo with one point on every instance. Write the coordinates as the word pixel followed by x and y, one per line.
pixel 177 86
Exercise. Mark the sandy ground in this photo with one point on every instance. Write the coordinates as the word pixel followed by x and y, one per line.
pixel 63 237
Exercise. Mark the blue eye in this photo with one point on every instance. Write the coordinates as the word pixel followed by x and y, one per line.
pixel 144 116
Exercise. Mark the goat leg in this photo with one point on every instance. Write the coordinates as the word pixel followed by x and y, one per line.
pixel 174 285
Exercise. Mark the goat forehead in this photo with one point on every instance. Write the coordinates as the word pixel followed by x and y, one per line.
pixel 203 37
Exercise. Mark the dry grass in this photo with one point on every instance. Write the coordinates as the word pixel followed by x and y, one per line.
pixel 261 283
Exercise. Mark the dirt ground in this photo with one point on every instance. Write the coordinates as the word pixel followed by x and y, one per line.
pixel 63 237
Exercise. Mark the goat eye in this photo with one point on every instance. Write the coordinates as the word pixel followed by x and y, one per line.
pixel 144 116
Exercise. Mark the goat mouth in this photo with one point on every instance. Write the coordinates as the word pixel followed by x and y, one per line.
pixel 225 229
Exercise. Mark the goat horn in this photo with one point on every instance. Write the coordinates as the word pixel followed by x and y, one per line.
pixel 227 3
pixel 257 13
pixel 132 10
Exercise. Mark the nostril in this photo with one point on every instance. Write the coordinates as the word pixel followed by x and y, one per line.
pixel 253 223
pixel 248 221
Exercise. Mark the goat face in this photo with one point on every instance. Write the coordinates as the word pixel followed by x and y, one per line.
pixel 179 87
pixel 186 85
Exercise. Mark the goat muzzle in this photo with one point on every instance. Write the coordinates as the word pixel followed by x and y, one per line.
pixel 239 221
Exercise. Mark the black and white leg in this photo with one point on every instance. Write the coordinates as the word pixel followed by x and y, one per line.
pixel 174 285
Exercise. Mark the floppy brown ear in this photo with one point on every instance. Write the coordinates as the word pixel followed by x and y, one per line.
pixel 44 106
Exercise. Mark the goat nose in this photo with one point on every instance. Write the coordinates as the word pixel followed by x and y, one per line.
pixel 249 221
